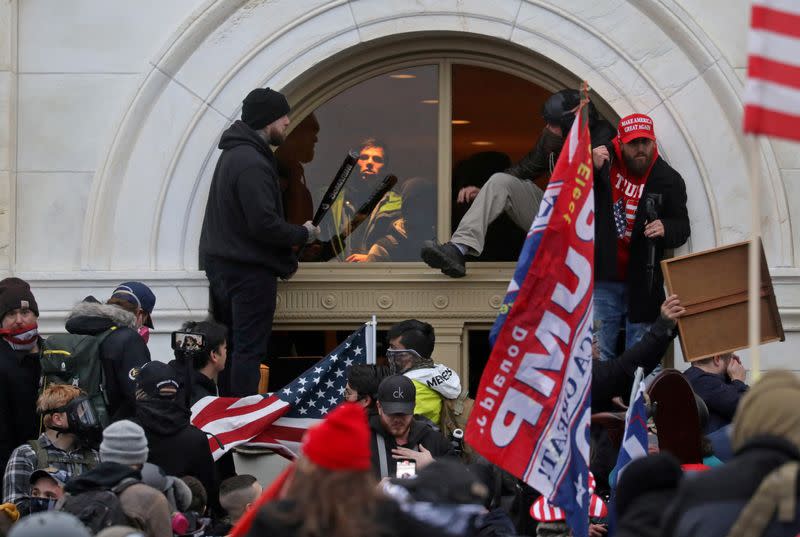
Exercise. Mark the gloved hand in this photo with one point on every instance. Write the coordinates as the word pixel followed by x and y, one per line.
pixel 313 232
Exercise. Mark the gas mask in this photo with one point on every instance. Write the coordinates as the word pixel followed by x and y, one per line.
pixel 38 504
pixel 82 419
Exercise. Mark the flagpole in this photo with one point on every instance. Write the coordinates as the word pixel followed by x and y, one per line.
pixel 754 259
pixel 372 336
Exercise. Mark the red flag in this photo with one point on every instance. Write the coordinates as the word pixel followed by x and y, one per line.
pixel 772 95
pixel 531 413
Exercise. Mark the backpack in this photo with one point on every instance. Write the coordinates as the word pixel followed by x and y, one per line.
pixel 455 414
pixel 75 359
pixel 44 460
pixel 100 508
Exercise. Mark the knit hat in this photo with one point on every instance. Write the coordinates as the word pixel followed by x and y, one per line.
pixel 124 442
pixel 769 408
pixel 341 441
pixel 636 126
pixel 660 471
pixel 16 293
pixel 262 106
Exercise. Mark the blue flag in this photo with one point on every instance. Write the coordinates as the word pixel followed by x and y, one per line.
pixel 527 254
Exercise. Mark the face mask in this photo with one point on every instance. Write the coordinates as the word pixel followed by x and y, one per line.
pixel 23 338
pixel 144 331
pixel 37 504
pixel 552 142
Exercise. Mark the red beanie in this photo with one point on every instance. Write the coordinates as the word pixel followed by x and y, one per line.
pixel 341 441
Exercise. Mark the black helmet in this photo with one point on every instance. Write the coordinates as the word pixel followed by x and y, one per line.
pixel 557 109
pixel 49 523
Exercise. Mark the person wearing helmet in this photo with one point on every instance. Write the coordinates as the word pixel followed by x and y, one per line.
pixel 513 192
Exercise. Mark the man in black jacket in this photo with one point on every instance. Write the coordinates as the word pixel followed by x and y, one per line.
pixel 630 176
pixel 720 382
pixel 19 366
pixel 199 370
pixel 397 435
pixel 123 352
pixel 246 243
pixel 614 378
pixel 176 445
pixel 513 192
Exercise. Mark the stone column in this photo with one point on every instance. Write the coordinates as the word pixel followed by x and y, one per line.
pixel 8 129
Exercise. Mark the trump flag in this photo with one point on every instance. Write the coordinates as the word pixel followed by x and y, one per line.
pixel 532 410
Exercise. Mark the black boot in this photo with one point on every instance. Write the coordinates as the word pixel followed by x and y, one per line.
pixel 446 257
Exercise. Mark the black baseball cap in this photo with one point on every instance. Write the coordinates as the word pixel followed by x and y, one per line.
pixel 158 380
pixel 397 395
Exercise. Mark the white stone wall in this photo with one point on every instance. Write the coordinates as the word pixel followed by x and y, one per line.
pixel 114 109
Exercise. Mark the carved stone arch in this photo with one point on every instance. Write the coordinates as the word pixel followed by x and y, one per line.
pixel 147 199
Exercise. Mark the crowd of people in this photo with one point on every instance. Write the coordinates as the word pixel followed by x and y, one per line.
pixel 97 439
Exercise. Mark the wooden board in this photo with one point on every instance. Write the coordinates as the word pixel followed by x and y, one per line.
pixel 712 285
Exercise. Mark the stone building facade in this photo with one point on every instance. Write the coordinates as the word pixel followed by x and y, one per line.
pixel 111 112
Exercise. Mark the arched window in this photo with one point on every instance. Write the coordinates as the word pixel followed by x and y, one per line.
pixel 440 126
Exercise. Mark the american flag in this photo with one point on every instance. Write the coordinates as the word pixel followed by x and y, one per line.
pixel 772 95
pixel 278 420
pixel 619 217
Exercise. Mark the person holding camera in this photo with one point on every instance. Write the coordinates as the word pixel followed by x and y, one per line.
pixel 632 180
pixel 200 358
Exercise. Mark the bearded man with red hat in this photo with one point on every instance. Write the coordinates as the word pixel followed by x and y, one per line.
pixel 632 180
pixel 19 365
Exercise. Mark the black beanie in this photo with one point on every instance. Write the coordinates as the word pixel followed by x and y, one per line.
pixel 16 293
pixel 660 471
pixel 262 106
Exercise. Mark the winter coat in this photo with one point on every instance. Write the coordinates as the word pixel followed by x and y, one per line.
pixel 539 160
pixel 147 508
pixel 643 516
pixel 433 384
pixel 708 503
pixel 244 221
pixel 720 394
pixel 643 303
pixel 614 378
pixel 123 352
pixel 391 522
pixel 202 386
pixel 176 445
pixel 421 433
pixel 19 389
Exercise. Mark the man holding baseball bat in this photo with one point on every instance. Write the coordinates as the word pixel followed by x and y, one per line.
pixel 246 243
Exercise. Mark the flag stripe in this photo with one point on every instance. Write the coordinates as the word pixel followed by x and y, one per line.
pixel 232 407
pixel 789 6
pixel 774 72
pixel 777 47
pixel 773 96
pixel 773 20
pixel 770 122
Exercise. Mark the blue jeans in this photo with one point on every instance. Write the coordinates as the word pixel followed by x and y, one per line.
pixel 610 316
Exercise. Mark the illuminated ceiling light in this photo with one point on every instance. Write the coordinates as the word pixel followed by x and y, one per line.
pixel 430 101
pixel 460 122
pixel 402 76
pixel 482 142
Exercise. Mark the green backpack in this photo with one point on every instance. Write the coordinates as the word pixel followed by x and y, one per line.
pixel 75 359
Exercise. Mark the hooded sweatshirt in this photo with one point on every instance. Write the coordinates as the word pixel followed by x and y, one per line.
pixel 434 384
pixel 146 507
pixel 123 352
pixel 176 445
pixel 244 221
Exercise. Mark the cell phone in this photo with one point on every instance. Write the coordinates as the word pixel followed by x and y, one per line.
pixel 406 469
pixel 187 341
